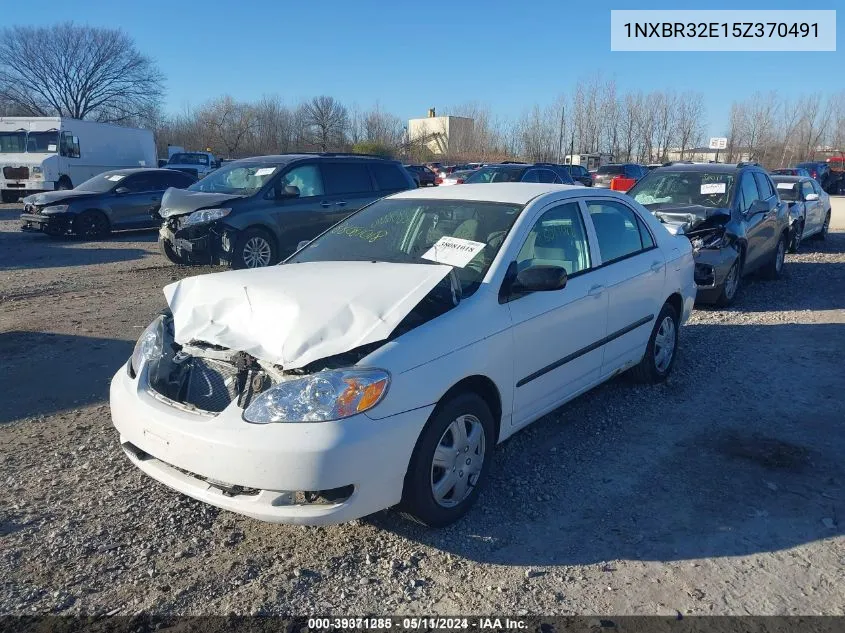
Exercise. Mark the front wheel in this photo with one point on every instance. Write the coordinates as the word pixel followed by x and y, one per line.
pixel 91 224
pixel 795 242
pixel 450 462
pixel 660 352
pixel 166 249
pixel 254 248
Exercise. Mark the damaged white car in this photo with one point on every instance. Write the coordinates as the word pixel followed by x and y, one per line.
pixel 383 362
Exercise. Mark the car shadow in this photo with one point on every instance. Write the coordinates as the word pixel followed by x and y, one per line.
pixel 21 251
pixel 55 372
pixel 626 472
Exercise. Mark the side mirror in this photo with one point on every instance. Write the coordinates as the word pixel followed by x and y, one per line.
pixel 811 197
pixel 540 278
pixel 121 190
pixel 289 192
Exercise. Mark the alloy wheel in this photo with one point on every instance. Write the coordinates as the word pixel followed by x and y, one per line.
pixel 257 252
pixel 458 461
pixel 664 344
pixel 779 255
pixel 732 281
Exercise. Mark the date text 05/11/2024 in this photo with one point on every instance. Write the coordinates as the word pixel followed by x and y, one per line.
pixel 721 29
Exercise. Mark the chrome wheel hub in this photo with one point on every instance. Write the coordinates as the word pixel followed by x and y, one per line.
pixel 779 256
pixel 257 252
pixel 664 344
pixel 458 460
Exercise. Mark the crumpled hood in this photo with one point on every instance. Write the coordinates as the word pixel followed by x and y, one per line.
pixel 293 314
pixel 55 197
pixel 683 218
pixel 181 201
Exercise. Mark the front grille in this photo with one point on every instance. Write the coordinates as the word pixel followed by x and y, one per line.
pixel 16 173
pixel 212 385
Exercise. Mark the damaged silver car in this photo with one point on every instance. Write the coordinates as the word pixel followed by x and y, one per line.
pixel 731 214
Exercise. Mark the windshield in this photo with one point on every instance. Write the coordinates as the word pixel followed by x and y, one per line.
pixel 496 174
pixel 463 233
pixel 682 188
pixel 611 169
pixel 102 183
pixel 787 191
pixel 189 159
pixel 34 142
pixel 242 180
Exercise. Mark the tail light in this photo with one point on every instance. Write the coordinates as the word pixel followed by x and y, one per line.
pixel 438 181
pixel 813 174
pixel 459 181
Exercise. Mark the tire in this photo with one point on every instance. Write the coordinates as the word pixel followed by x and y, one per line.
pixel 774 268
pixel 8 196
pixel 64 184
pixel 469 466
pixel 795 242
pixel 660 353
pixel 166 249
pixel 254 248
pixel 732 284
pixel 822 234
pixel 91 224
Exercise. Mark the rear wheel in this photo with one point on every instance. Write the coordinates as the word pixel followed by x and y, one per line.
pixel 450 462
pixel 822 234
pixel 91 224
pixel 64 184
pixel 254 248
pixel 774 268
pixel 660 352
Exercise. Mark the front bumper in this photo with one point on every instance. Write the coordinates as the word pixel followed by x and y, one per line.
pixel 184 449
pixel 52 223
pixel 28 186
pixel 711 268
pixel 202 243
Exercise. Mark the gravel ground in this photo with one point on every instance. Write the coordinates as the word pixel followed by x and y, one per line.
pixel 720 492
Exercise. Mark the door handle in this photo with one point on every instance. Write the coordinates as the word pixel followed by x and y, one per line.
pixel 325 204
pixel 596 290
pixel 656 266
pixel 341 204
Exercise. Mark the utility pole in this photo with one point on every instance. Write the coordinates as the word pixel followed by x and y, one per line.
pixel 560 138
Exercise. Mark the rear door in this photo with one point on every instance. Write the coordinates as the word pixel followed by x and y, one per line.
pixel 349 186
pixel 300 218
pixel 769 225
pixel 813 219
pixel 130 208
pixel 754 224
pixel 633 275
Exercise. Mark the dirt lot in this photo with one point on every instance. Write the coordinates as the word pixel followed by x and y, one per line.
pixel 721 492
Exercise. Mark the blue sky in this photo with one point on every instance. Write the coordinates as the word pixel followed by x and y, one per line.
pixel 411 56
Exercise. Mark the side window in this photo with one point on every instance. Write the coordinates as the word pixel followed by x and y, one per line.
pixel 763 185
pixel 138 183
pixel 645 236
pixel 306 178
pixel 533 175
pixel 617 229
pixel 547 175
pixel 749 192
pixel 806 189
pixel 347 177
pixel 816 186
pixel 389 177
pixel 558 239
pixel 69 145
pixel 176 179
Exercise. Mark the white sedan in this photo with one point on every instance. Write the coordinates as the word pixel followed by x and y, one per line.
pixel 383 362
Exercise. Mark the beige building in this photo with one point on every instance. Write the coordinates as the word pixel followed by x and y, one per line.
pixel 442 135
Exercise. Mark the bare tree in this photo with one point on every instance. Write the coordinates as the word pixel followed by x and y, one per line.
pixel 229 122
pixel 689 121
pixel 328 120
pixel 82 72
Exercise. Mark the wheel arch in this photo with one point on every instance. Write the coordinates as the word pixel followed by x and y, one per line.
pixel 677 302
pixel 485 388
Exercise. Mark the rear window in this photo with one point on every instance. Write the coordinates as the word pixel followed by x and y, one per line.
pixel 349 177
pixel 499 174
pixel 787 191
pixel 389 177
pixel 611 169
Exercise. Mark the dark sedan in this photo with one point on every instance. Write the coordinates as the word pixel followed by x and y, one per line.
pixel 113 200
pixel 422 175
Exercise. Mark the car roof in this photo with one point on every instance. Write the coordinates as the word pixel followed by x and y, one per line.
pixel 507 192
pixel 284 159
pixel 717 168
pixel 785 178
pixel 134 170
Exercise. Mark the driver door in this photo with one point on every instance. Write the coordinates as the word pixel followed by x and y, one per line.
pixel 303 217
pixel 132 199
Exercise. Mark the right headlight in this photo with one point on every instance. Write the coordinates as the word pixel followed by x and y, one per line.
pixel 149 345
pixel 56 208
pixel 205 215
pixel 322 397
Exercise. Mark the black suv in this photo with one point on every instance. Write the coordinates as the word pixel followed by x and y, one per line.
pixel 254 212
pixel 580 174
pixel 732 216
pixel 821 172
pixel 520 172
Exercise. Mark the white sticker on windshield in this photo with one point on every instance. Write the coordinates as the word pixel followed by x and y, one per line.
pixel 264 171
pixel 115 177
pixel 453 251
pixel 51 147
pixel 713 187
pixel 786 185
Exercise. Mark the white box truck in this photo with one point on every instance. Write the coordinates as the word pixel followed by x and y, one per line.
pixel 50 153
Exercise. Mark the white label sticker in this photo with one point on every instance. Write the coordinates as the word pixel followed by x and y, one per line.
pixel 453 251
pixel 115 177
pixel 264 171
pixel 713 187
pixel 51 147
pixel 786 185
